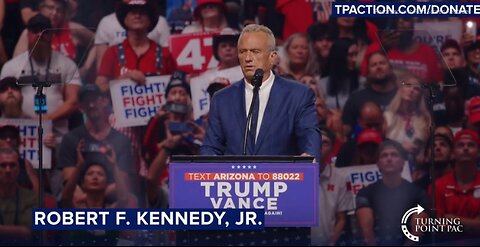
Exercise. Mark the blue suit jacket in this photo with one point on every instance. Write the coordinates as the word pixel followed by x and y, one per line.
pixel 289 125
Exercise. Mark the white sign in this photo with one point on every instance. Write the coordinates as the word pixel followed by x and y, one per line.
pixel 199 85
pixel 362 175
pixel 435 33
pixel 29 140
pixel 135 104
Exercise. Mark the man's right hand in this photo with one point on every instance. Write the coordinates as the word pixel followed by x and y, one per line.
pixel 136 76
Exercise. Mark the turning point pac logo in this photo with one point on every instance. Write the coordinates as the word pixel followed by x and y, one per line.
pixel 444 225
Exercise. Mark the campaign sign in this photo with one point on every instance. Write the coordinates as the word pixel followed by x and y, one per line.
pixel 199 85
pixel 287 192
pixel 362 175
pixel 29 140
pixel 193 52
pixel 436 33
pixel 135 104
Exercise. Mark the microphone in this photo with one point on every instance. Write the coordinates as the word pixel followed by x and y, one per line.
pixel 256 82
pixel 257 78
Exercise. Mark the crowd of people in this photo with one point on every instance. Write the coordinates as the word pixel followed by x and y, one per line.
pixel 377 95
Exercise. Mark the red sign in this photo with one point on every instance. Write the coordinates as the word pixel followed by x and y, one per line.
pixel 193 52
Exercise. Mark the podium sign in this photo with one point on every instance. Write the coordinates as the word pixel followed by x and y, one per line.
pixel 287 192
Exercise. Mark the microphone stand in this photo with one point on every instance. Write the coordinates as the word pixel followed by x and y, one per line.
pixel 39 85
pixel 432 94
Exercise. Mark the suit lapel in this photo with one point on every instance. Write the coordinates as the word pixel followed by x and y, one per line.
pixel 239 108
pixel 272 111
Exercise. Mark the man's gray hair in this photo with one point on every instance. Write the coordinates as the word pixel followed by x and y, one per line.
pixel 260 28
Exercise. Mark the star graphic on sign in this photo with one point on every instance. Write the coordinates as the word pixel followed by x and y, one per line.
pixel 238 167
pixel 233 167
pixel 249 167
pixel 244 167
pixel 254 167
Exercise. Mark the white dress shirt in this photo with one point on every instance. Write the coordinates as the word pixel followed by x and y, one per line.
pixel 264 94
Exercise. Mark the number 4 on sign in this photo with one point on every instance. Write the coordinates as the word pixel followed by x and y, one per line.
pixel 192 55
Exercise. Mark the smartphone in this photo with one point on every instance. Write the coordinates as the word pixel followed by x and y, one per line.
pixel 180 127
pixel 471 28
pixel 40 104
pixel 177 108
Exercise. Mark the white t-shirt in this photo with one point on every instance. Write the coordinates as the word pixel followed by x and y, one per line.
pixel 110 31
pixel 20 66
pixel 333 197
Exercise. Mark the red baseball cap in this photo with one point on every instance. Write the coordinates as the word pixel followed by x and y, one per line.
pixel 369 135
pixel 466 134
pixel 474 109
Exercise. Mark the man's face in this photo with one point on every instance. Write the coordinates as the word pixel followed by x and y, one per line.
pixel 93 106
pixel 227 52
pixel 137 19
pixel 466 150
pixel 9 168
pixel 372 120
pixel 453 58
pixel 378 67
pixel 390 161
pixel 254 52
pixel 54 11
pixel 95 179
pixel 178 95
pixel 443 151
pixel 10 96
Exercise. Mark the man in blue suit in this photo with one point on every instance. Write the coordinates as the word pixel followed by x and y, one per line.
pixel 287 120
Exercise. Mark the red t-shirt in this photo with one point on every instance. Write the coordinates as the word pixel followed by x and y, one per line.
pixel 452 199
pixel 424 62
pixel 147 62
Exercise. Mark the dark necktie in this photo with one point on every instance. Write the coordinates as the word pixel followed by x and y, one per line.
pixel 253 125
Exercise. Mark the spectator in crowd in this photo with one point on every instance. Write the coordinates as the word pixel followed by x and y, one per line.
pixel 172 132
pixel 342 77
pixel 43 63
pixel 456 193
pixel 180 16
pixel 452 54
pixel 299 57
pixel 225 48
pixel 454 98
pixel 16 203
pixel 321 37
pixel 361 31
pixel 11 99
pixel 94 176
pixel 135 58
pixel 443 148
pixel 27 177
pixel 406 53
pixel 111 32
pixel 124 60
pixel 97 134
pixel 368 142
pixel 472 56
pixel 334 197
pixel 371 117
pixel 381 88
pixel 381 205
pixel 67 37
pixel 209 16
pixel 407 117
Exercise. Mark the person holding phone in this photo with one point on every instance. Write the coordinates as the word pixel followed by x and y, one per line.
pixel 99 139
pixel 171 131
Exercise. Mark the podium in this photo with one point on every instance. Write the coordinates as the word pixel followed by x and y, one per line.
pixel 286 187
